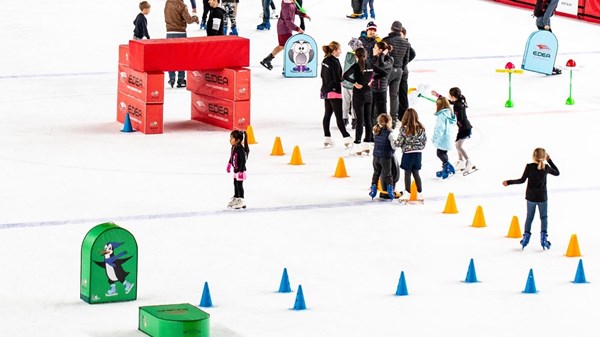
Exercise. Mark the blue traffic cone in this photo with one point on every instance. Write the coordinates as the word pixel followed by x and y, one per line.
pixel 284 286
pixel 401 290
pixel 206 301
pixel 127 125
pixel 471 275
pixel 580 274
pixel 299 304
pixel 530 286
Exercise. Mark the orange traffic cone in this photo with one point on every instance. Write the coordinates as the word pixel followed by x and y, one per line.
pixel 250 135
pixel 573 249
pixel 340 169
pixel 450 205
pixel 514 232
pixel 413 191
pixel 479 220
pixel 277 148
pixel 296 157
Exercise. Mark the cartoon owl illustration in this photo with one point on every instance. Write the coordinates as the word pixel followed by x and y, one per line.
pixel 301 54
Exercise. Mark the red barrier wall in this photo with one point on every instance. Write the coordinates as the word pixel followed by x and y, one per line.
pixel 195 53
pixel 588 10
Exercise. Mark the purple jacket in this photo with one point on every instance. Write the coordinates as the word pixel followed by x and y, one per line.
pixel 285 24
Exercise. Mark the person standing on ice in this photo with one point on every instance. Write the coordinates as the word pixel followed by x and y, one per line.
pixel 442 138
pixel 543 11
pixel 383 156
pixel 360 75
pixel 285 27
pixel 331 74
pixel 400 53
pixel 382 67
pixel 216 19
pixel 464 127
pixel 536 194
pixel 140 22
pixel 412 139
pixel 177 18
pixel 237 163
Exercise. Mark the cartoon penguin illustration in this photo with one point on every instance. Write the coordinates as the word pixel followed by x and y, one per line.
pixel 114 269
pixel 301 54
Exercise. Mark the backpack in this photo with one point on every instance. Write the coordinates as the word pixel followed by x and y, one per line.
pixel 540 8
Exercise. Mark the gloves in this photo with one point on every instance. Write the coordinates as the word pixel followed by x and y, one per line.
pixel 240 176
pixel 228 167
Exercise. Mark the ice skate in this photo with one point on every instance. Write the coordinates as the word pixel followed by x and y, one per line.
pixel 348 141
pixel 203 25
pixel 266 62
pixel 240 203
pixel 353 16
pixel 234 31
pixel 525 240
pixel 404 197
pixel 372 14
pixel 274 15
pixel 373 191
pixel 181 83
pixel 328 142
pixel 420 198
pixel 469 168
pixel 390 192
pixel 232 202
pixel 556 71
pixel 172 82
pixel 544 240
pixel 264 26
pixel 460 165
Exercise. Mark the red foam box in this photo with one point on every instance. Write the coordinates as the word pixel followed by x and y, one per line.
pixel 220 112
pixel 124 54
pixel 195 53
pixel 229 83
pixel 147 87
pixel 146 118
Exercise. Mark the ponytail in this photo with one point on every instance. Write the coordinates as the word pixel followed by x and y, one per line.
pixel 246 147
pixel 330 48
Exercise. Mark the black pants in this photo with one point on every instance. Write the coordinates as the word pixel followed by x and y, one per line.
pixel 382 167
pixel 238 187
pixel 403 95
pixel 443 155
pixel 301 18
pixel 361 103
pixel 205 9
pixel 379 105
pixel 356 6
pixel 334 106
pixel 394 89
pixel 407 181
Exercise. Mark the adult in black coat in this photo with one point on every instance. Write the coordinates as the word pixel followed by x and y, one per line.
pixel 331 92
pixel 400 53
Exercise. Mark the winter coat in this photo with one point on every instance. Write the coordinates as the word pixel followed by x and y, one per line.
pixel 237 159
pixel 331 74
pixel 141 27
pixel 384 144
pixel 348 62
pixel 355 75
pixel 214 25
pixel 442 134
pixel 411 143
pixel 460 110
pixel 177 16
pixel 285 24
pixel 382 67
pixel 368 43
pixel 400 49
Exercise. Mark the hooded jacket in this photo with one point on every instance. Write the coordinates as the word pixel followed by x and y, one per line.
pixel 442 134
pixel 382 67
pixel 177 16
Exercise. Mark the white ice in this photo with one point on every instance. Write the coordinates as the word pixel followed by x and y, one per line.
pixel 65 167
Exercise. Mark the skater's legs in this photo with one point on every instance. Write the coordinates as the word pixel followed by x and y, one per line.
pixel 530 215
pixel 543 206
pixel 403 95
pixel 358 103
pixel 394 87
pixel 367 119
pixel 266 10
pixel 443 155
pixel 417 178
pixel 239 188
pixel 337 110
pixel 462 154
pixel 346 102
pixel 377 167
pixel 407 180
pixel 327 117
pixel 205 9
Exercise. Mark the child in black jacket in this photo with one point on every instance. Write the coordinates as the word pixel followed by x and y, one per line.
pixel 237 162
pixel 536 194
pixel 216 18
pixel 141 24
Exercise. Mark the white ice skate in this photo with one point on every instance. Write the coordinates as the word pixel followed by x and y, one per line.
pixel 404 197
pixel 232 202
pixel 328 142
pixel 459 165
pixel 348 141
pixel 469 168
pixel 240 203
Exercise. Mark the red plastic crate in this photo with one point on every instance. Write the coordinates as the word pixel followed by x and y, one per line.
pixel 229 83
pixel 221 112
pixel 146 118
pixel 147 87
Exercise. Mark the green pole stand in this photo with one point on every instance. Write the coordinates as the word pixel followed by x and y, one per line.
pixel 570 100
pixel 109 263
pixel 174 320
pixel 427 98
pixel 509 103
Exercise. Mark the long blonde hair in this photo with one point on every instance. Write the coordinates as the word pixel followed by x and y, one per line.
pixel 442 103
pixel 384 121
pixel 539 157
pixel 410 121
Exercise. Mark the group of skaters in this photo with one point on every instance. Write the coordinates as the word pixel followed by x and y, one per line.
pixel 373 69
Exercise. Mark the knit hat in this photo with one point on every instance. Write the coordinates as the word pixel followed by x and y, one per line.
pixel 396 26
pixel 355 44
pixel 371 25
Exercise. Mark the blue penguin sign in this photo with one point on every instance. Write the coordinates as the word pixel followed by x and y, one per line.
pixel 540 52
pixel 109 260
pixel 300 56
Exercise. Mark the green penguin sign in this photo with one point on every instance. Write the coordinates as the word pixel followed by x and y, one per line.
pixel 109 260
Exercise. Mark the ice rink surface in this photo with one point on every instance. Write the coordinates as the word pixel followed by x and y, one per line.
pixel 65 167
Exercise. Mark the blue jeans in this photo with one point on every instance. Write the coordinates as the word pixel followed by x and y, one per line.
pixel 266 10
pixel 543 206
pixel 181 73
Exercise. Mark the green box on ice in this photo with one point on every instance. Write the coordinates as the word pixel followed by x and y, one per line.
pixel 174 320
pixel 109 263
